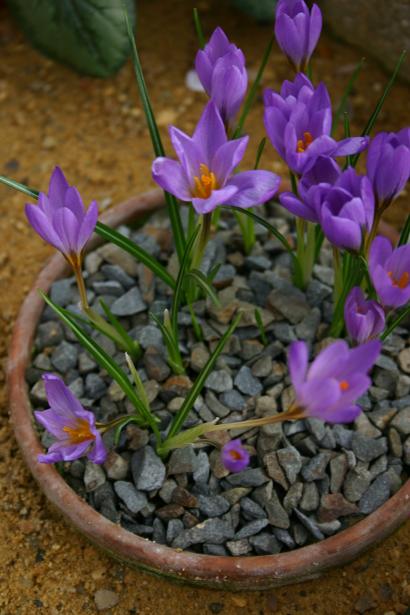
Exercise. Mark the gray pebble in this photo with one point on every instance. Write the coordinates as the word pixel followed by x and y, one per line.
pixel 94 476
pixel 247 383
pixel 291 462
pixel 310 500
pixel 366 448
pixel 148 471
pixel 182 461
pixel 376 494
pixel 214 531
pixel 95 386
pixel 310 525
pixel 251 477
pixel 134 500
pixel 232 400
pixel 315 469
pixel 401 421
pixel 356 483
pixel 219 381
pixel 252 528
pixel 213 506
pixel 265 544
pixel 130 303
pixel 64 357
pixel 49 334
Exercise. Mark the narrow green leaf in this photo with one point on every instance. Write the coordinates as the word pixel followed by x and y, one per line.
pixel 181 416
pixel 346 123
pixel 138 383
pixel 261 328
pixel 319 239
pixel 262 222
pixel 404 236
pixel 179 288
pixel 252 92
pixel 173 207
pixel 118 430
pixel 373 118
pixel 132 345
pixel 195 323
pixel 198 28
pixel 396 322
pixel 174 356
pixel 20 187
pixel 343 101
pixel 259 152
pixel 203 283
pixel 102 358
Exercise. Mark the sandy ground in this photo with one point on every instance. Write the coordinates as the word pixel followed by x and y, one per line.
pixel 94 129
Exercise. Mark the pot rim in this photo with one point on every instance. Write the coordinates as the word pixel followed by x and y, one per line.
pixel 229 572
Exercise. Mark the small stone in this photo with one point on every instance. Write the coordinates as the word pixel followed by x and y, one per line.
pixel 284 537
pixel 170 511
pixel 395 444
pixel 199 357
pixel 291 462
pixel 115 392
pixel 219 381
pixel 300 534
pixel 251 510
pixel 310 499
pixel 174 529
pixel 148 471
pixel 236 494
pixel 251 477
pixel 307 328
pixel 404 360
pixel 176 386
pixel 182 461
pixel 293 497
pixel 94 476
pixel 316 427
pixel 315 469
pixel 274 470
pixel 137 437
pixel 343 436
pixel 252 528
pixel 130 303
pixel 329 527
pixel 401 421
pixel 309 524
pixel 377 494
pixel 85 363
pixel 215 531
pixel 356 483
pixel 364 603
pixel 113 272
pixel 365 427
pixel 382 416
pixel 155 365
pixel 108 287
pixel 262 367
pixel 64 357
pixel 251 349
pixel 239 547
pixel 290 302
pixel 116 466
pixel 92 262
pixel 403 385
pixel 38 392
pixel 232 400
pixel 366 448
pixel 105 599
pixel 49 334
pixel 201 472
pixel 213 506
pixel 333 506
pixel 184 498
pixel 62 292
pixel 95 386
pixel 116 256
pixel 338 469
pixel 224 276
pixel 277 515
pixel 265 544
pixel 247 383
pixel 135 501
pixel 167 490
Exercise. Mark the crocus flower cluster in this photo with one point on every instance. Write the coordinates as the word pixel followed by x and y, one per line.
pixel 298 122
pixel 205 174
pixel 61 219
pixel 297 30
pixel 220 67
pixel 337 377
pixel 70 424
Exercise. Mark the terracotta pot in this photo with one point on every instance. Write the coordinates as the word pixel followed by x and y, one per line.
pixel 232 573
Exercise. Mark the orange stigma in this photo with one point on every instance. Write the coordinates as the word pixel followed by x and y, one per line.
pixel 235 455
pixel 403 280
pixel 304 143
pixel 204 184
pixel 344 385
pixel 80 433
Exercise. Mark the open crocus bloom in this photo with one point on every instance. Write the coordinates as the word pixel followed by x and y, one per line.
pixel 364 318
pixel 297 30
pixel 234 456
pixel 388 164
pixel 204 173
pixel 61 219
pixel 390 272
pixel 298 122
pixel 221 69
pixel 312 188
pixel 329 388
pixel 72 426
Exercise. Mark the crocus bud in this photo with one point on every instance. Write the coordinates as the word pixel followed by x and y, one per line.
pixel 364 319
pixel 234 456
pixel 297 31
pixel 221 69
pixel 390 272
pixel 388 165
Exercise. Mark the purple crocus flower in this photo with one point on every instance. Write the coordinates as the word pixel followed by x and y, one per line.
pixel 329 388
pixel 297 31
pixel 234 456
pixel 312 188
pixel 364 319
pixel 390 272
pixel 347 210
pixel 298 122
pixel 61 220
pixel 205 171
pixel 221 70
pixel 388 164
pixel 72 426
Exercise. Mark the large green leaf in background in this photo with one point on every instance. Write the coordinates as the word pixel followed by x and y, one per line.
pixel 261 10
pixel 88 35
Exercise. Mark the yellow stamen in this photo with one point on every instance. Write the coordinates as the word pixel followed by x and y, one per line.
pixel 402 282
pixel 235 455
pixel 80 433
pixel 344 385
pixel 204 184
pixel 304 143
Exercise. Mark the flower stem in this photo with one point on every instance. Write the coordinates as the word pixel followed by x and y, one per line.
pixel 337 266
pixel 201 243
pixel 81 285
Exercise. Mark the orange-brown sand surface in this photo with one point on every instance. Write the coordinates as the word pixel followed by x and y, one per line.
pixel 95 130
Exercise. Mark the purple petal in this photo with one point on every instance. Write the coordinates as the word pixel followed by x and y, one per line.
pixel 315 28
pixel 362 358
pixel 41 224
pixel 234 456
pixel 53 422
pixel 298 363
pixel 73 201
pixel 203 68
pixel 298 207
pixel 351 145
pixel 341 232
pixel 380 250
pixel 170 175
pixel 317 395
pixel 98 454
pixel 210 132
pixel 191 156
pixel 57 188
pixel 67 228
pixel 227 158
pixel 229 84
pixel 328 361
pixel 253 187
pixel 88 225
pixel 61 399
pixel 218 197
pixel 342 414
pixel 69 452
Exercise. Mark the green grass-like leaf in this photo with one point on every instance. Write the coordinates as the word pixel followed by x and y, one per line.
pixel 173 206
pixel 11 183
pixel 201 280
pixel 183 413
pixel 396 322
pixel 405 234
pixel 180 283
pixel 198 29
pixel 262 222
pixel 342 105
